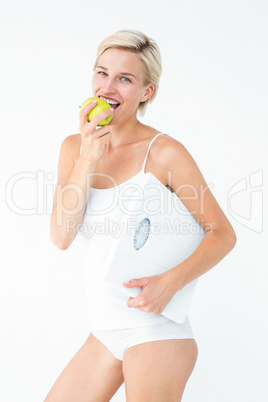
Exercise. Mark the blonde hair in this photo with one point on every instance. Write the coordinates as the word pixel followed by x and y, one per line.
pixel 146 49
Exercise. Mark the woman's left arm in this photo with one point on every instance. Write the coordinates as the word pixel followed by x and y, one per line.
pixel 184 177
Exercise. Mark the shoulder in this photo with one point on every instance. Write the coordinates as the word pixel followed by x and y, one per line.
pixel 173 163
pixel 70 146
pixel 72 140
pixel 169 151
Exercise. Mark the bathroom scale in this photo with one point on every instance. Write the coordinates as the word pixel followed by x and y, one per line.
pixel 157 232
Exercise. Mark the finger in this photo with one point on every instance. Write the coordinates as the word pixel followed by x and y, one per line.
pixel 141 282
pixel 85 111
pixel 101 116
pixel 102 131
pixel 103 139
pixel 135 302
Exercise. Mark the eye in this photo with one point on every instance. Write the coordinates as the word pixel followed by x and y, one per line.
pixel 101 72
pixel 128 80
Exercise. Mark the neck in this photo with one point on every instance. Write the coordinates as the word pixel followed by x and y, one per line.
pixel 124 133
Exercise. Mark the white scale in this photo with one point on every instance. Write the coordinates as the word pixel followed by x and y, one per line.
pixel 154 240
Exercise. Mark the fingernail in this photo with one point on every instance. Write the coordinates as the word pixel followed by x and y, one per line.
pixel 95 101
pixel 111 109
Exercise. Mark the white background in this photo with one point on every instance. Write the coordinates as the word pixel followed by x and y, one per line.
pixel 212 98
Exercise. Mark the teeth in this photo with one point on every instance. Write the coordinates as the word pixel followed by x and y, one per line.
pixel 111 102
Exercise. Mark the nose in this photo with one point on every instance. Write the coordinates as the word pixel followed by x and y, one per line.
pixel 109 85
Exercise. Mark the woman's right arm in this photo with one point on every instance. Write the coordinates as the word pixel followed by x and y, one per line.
pixel 74 180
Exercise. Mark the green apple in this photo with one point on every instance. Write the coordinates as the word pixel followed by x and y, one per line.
pixel 100 107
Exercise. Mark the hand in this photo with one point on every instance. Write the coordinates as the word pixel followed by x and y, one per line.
pixel 157 291
pixel 93 139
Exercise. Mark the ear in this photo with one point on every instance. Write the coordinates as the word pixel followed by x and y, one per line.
pixel 148 92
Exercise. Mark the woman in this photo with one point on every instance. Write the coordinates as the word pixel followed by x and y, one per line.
pixel 131 341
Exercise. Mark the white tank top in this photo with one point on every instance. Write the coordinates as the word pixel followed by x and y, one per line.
pixel 101 222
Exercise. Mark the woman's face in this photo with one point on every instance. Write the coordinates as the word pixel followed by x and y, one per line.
pixel 118 76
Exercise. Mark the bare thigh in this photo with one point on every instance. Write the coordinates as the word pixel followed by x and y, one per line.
pixel 93 374
pixel 158 371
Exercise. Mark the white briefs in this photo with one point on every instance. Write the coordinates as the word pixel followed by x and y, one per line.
pixel 119 340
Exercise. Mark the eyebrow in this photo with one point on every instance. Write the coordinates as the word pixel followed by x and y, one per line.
pixel 123 73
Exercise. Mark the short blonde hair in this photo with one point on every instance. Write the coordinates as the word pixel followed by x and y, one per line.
pixel 146 49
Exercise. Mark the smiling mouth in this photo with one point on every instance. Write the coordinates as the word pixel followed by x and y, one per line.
pixel 113 104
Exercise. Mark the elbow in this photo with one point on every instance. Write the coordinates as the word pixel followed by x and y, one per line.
pixel 58 237
pixel 234 240
pixel 227 237
pixel 62 246
pixel 231 238
pixel 59 243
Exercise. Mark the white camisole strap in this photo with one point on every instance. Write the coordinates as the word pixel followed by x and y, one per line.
pixel 144 163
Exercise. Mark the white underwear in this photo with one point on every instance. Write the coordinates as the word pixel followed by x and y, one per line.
pixel 119 340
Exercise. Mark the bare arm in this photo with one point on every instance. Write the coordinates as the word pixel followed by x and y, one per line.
pixel 74 179
pixel 220 238
pixel 183 175
pixel 74 182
